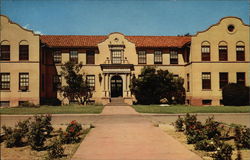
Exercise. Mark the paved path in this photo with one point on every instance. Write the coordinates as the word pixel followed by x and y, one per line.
pixel 122 134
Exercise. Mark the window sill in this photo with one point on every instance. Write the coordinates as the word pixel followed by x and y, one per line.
pixel 206 90
pixel 23 91
pixel 5 90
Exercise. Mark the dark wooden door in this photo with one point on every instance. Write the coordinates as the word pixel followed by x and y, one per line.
pixel 116 86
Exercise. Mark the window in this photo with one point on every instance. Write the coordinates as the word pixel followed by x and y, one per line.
pixel 23 52
pixel 91 81
pixel 23 81
pixel 158 57
pixel 206 80
pixel 241 78
pixel 205 53
pixel 90 57
pixel 57 82
pixel 4 103
pixel 188 83
pixel 73 56
pixel 116 56
pixel 57 57
pixel 223 79
pixel 5 52
pixel 142 59
pixel 173 57
pixel 206 102
pixel 4 81
pixel 222 53
pixel 240 53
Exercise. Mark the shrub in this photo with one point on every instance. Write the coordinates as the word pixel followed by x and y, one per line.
pixel 235 95
pixel 55 149
pixel 28 104
pixel 206 145
pixel 179 123
pixel 211 128
pixel 224 151
pixel 72 133
pixel 197 135
pixel 39 130
pixel 191 124
pixel 242 137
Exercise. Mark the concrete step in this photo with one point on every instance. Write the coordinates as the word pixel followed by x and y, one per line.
pixel 117 102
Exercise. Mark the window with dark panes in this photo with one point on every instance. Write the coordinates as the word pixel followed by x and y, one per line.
pixel 57 57
pixel 173 57
pixel 91 81
pixel 5 52
pixel 223 79
pixel 222 53
pixel 241 79
pixel 73 56
pixel 157 57
pixel 240 53
pixel 206 80
pixel 23 81
pixel 206 102
pixel 23 52
pixel 90 57
pixel 57 82
pixel 142 57
pixel 4 103
pixel 116 56
pixel 4 81
pixel 205 53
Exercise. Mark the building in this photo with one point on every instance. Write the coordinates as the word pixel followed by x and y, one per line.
pixel 207 61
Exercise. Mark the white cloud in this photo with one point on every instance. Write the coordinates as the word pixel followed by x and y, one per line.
pixel 27 26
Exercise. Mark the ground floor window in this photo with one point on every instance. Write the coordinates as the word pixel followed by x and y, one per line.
pixel 4 81
pixel 4 103
pixel 241 78
pixel 206 102
pixel 91 81
pixel 206 80
pixel 23 81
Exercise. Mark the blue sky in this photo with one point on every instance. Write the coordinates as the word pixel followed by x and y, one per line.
pixel 131 17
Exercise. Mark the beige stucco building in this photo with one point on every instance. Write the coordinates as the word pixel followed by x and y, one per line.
pixel 207 61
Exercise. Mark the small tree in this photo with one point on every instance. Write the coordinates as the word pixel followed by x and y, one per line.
pixel 154 85
pixel 76 88
pixel 235 95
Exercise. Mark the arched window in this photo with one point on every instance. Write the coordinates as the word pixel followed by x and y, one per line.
pixel 240 51
pixel 24 50
pixel 205 51
pixel 223 51
pixel 5 50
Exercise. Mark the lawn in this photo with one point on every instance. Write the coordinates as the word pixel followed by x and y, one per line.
pixel 67 109
pixel 190 109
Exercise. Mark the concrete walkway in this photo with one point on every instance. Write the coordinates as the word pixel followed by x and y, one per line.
pixel 122 134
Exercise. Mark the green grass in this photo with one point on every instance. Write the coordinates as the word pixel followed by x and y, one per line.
pixel 190 109
pixel 68 109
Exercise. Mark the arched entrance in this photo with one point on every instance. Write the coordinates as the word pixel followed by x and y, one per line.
pixel 116 86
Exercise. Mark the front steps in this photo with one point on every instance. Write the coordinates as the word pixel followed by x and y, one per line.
pixel 118 101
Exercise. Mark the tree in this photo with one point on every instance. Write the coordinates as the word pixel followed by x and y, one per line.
pixel 235 95
pixel 153 85
pixel 76 88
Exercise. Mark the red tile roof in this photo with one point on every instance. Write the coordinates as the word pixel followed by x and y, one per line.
pixel 92 41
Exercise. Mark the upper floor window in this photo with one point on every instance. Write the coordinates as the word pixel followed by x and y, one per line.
pixel 4 81
pixel 57 57
pixel 241 78
pixel 90 57
pixel 91 81
pixel 116 56
pixel 5 51
pixel 240 51
pixel 205 51
pixel 206 80
pixel 223 51
pixel 223 79
pixel 23 81
pixel 73 56
pixel 173 57
pixel 142 59
pixel 23 50
pixel 157 57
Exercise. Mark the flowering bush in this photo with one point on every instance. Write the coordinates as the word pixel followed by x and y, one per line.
pixel 242 137
pixel 72 133
pixel 223 151
pixel 55 149
pixel 191 124
pixel 211 128
pixel 206 145
pixel 179 123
